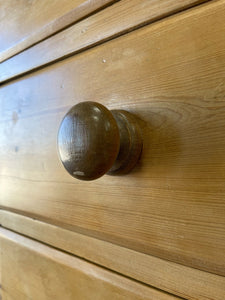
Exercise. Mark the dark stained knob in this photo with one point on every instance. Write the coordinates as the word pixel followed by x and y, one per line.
pixel 93 141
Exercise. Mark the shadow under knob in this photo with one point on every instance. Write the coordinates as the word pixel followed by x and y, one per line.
pixel 93 141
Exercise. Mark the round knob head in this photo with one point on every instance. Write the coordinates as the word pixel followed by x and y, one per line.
pixel 88 140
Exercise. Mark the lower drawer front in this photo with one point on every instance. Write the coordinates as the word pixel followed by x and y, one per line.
pixel 31 270
pixel 172 75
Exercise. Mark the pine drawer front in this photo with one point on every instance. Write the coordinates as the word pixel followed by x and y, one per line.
pixel 31 270
pixel 171 75
pixel 81 28
pixel 25 23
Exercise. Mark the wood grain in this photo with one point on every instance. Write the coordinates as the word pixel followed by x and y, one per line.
pixel 188 283
pixel 121 17
pixel 35 271
pixel 172 76
pixel 24 23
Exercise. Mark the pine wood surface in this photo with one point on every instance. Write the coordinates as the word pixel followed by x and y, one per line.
pixel 186 282
pixel 24 23
pixel 171 75
pixel 31 270
pixel 113 21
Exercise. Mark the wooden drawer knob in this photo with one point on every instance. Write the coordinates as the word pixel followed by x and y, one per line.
pixel 93 141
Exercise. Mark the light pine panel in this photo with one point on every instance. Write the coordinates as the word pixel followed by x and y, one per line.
pixel 117 19
pixel 24 23
pixel 31 270
pixel 186 282
pixel 172 206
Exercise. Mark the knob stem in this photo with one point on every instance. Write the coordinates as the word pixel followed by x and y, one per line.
pixel 130 143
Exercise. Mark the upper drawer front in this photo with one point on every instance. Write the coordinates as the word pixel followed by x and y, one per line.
pixel 24 23
pixel 172 76
pixel 122 16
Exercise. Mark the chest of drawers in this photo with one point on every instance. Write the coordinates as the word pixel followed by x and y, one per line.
pixel 161 227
